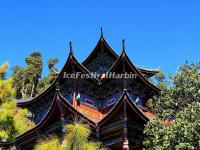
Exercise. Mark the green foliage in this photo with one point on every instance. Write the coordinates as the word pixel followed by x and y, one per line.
pixel 160 77
pixel 7 127
pixel 18 81
pixel 182 133
pixel 6 90
pixel 45 82
pixel 51 63
pixel 187 127
pixel 26 79
pixel 21 122
pixel 187 84
pixel 12 119
pixel 51 143
pixel 93 146
pixel 15 68
pixel 77 135
pixel 158 135
pixel 3 70
pixel 176 124
pixel 185 90
pixel 76 138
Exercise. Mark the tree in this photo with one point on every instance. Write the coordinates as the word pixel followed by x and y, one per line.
pixel 3 70
pixel 6 90
pixel 51 64
pixel 12 120
pixel 50 143
pixel 184 90
pixel 45 82
pixel 160 77
pixel 33 72
pixel 176 123
pixel 76 138
pixel 8 130
pixel 52 69
pixel 18 83
pixel 182 133
pixel 15 68
pixel 26 79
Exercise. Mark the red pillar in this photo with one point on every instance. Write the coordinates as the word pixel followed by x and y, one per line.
pixel 74 102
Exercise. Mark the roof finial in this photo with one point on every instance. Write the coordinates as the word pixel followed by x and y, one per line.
pixel 123 45
pixel 101 32
pixel 70 48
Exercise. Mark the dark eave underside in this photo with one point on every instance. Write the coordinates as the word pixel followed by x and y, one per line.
pixel 41 123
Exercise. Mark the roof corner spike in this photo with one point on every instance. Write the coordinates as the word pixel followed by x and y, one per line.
pixel 123 45
pixel 101 32
pixel 70 48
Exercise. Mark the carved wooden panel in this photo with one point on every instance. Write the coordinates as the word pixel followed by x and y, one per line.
pixel 101 63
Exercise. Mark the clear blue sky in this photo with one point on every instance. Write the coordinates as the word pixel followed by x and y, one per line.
pixel 158 33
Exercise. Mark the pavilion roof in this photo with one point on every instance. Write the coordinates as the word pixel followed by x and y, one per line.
pixel 72 61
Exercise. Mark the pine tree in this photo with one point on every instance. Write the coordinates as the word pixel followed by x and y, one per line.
pixel 26 79
pixel 45 82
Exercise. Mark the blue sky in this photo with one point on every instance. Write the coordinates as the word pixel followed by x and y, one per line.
pixel 158 33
